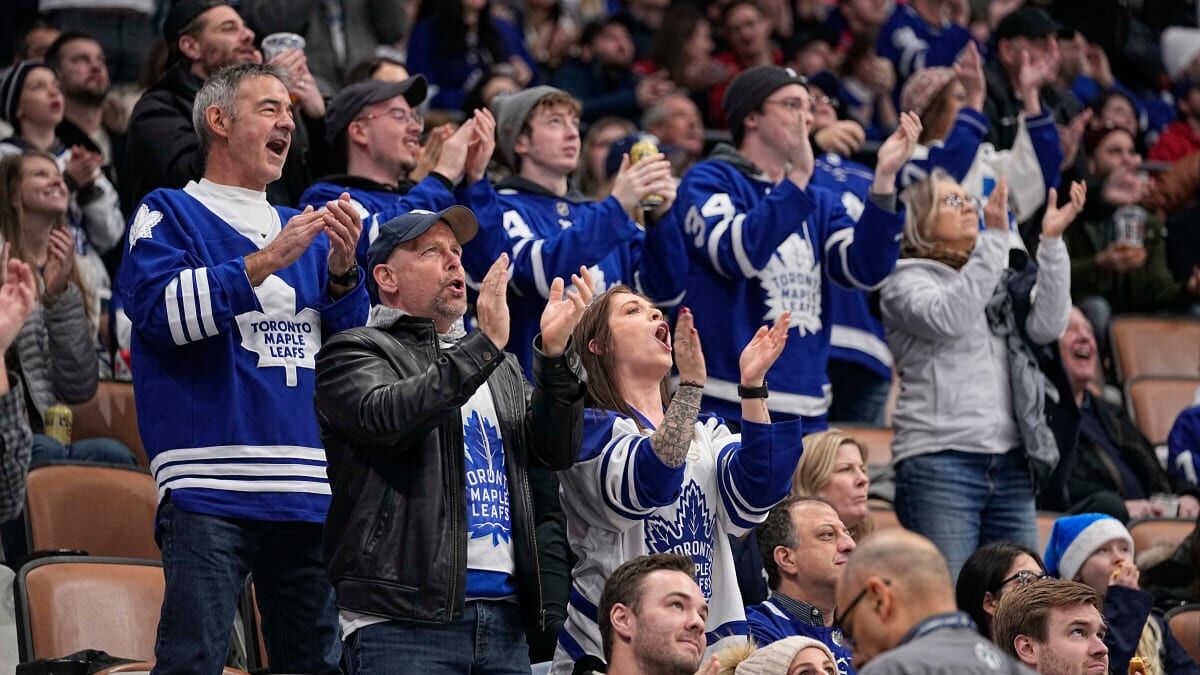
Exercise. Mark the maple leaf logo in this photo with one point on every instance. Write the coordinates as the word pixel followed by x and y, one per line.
pixel 282 337
pixel 792 281
pixel 143 225
pixel 486 480
pixel 690 534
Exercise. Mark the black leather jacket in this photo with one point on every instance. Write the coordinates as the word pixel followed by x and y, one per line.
pixel 388 403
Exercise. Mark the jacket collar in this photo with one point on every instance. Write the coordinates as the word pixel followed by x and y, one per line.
pixel 524 185
pixel 180 80
pixel 366 184
pixel 393 318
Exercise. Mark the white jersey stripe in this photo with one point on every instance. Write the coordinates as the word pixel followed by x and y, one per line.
pixel 189 306
pixel 171 302
pixel 204 296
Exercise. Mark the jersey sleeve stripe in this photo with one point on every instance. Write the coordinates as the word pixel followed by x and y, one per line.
pixel 190 315
pixel 204 296
pixel 739 249
pixel 171 302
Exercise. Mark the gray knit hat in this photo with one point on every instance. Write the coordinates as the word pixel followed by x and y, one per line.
pixel 775 658
pixel 512 111
pixel 750 88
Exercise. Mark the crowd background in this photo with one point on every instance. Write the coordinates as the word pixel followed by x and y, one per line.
pixel 1021 96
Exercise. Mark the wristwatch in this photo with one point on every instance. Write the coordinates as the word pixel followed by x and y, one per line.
pixel 349 278
pixel 753 392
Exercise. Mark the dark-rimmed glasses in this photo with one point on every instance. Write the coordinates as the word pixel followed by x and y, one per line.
pixel 839 622
pixel 1024 578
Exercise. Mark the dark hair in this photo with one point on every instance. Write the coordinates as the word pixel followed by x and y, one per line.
pixel 861 48
pixel 667 48
pixel 728 9
pixel 366 68
pixel 1024 611
pixel 604 391
pixel 983 573
pixel 21 43
pixel 54 51
pixel 777 531
pixel 624 587
pixel 451 30
pixel 474 98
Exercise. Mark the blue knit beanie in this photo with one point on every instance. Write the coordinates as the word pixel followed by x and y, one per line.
pixel 1075 538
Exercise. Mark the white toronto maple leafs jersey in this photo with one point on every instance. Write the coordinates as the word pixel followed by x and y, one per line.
pixel 758 249
pixel 621 502
pixel 223 371
pixel 490 561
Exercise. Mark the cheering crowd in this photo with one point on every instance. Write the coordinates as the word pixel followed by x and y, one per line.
pixel 424 338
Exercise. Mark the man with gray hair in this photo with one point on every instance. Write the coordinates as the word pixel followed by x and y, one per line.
pixel 896 611
pixel 676 121
pixel 230 300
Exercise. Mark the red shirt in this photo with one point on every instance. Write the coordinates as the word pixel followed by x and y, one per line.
pixel 1178 141
pixel 717 92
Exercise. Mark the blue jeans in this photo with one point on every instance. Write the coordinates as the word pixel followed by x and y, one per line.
pixel 487 640
pixel 205 561
pixel 99 450
pixel 962 500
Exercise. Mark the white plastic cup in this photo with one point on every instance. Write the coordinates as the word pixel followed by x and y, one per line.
pixel 1129 225
pixel 277 43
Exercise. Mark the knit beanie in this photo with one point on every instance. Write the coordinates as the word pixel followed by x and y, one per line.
pixel 1179 48
pixel 750 88
pixel 775 658
pixel 10 88
pixel 924 86
pixel 1074 539
pixel 512 111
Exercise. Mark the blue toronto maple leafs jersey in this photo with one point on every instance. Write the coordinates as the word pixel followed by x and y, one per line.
pixel 769 622
pixel 550 236
pixel 855 334
pixel 490 561
pixel 223 371
pixel 911 44
pixel 622 501
pixel 758 249
pixel 1183 445
pixel 377 206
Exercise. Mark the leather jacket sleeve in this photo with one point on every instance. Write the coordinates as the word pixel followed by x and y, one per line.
pixel 362 397
pixel 554 418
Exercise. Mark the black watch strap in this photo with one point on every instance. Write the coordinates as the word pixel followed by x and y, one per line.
pixel 350 278
pixel 753 392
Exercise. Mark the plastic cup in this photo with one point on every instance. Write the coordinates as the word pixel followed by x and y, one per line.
pixel 276 43
pixel 1129 223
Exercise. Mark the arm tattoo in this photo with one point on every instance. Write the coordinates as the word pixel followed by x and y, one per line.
pixel 674 436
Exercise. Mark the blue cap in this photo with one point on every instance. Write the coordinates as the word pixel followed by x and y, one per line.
pixel 409 226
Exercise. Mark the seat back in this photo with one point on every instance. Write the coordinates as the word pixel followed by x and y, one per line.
pixel 1184 623
pixel 878 441
pixel 68 604
pixel 884 519
pixel 1153 532
pixel 102 510
pixel 110 414
pixel 1155 402
pixel 1160 347
pixel 1045 524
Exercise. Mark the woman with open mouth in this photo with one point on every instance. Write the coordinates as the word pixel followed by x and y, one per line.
pixel 655 474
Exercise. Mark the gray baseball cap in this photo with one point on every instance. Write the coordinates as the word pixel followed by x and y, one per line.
pixel 350 101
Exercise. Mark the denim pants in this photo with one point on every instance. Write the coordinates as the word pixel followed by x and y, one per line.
pixel 487 640
pixel 205 561
pixel 98 450
pixel 962 500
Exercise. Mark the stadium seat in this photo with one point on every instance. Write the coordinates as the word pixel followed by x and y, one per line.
pixel 1144 346
pixel 1184 623
pixel 1155 402
pixel 110 414
pixel 1045 523
pixel 68 604
pixel 878 441
pixel 105 511
pixel 1152 532
pixel 885 519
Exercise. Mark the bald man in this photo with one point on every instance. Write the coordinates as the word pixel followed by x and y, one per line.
pixel 897 613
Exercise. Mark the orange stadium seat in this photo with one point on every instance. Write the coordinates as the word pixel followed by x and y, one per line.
pixel 1184 623
pixel 110 414
pixel 1155 402
pixel 1152 532
pixel 116 519
pixel 878 441
pixel 1160 347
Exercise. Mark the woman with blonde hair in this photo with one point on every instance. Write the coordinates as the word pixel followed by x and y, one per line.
pixel 834 468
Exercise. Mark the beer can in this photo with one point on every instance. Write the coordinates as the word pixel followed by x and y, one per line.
pixel 58 420
pixel 647 146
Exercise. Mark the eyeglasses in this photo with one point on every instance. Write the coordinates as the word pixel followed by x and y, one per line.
pixel 793 105
pixel 1024 578
pixel 839 622
pixel 824 100
pixel 400 115
pixel 958 201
